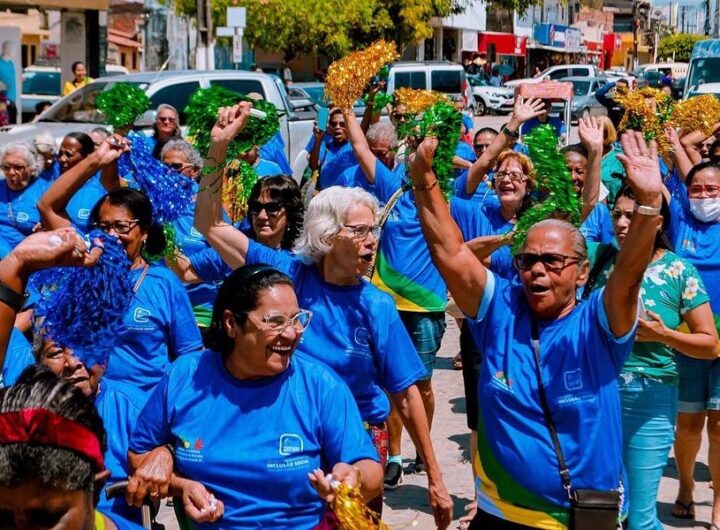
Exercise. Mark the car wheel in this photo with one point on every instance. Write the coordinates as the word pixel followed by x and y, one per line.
pixel 480 109
pixel 585 114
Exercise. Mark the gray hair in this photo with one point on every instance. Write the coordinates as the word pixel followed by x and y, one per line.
pixel 383 131
pixel 579 246
pixel 33 160
pixel 324 218
pixel 166 106
pixel 184 147
pixel 102 131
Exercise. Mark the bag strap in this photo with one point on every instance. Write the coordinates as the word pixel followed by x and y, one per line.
pixel 385 215
pixel 564 471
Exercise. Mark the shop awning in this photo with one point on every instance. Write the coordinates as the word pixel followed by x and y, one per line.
pixel 504 43
pixel 556 49
pixel 80 5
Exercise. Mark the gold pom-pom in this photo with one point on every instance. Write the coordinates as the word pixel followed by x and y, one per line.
pixel 347 77
pixel 351 512
pixel 647 110
pixel 417 100
pixel 698 113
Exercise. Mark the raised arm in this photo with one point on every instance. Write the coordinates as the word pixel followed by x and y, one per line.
pixel 314 160
pixel 230 242
pixel 360 146
pixel 52 205
pixel 464 275
pixel 524 110
pixel 623 287
pixel 370 116
pixel 691 143
pixel 601 94
pixel 483 246
pixel 677 151
pixel 591 136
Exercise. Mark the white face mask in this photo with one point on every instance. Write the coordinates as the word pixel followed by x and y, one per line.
pixel 705 210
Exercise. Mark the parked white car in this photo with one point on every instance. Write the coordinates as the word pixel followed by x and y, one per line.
pixel 555 73
pixel 486 97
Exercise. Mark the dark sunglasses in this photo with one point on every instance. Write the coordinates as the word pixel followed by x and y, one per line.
pixel 272 209
pixel 552 262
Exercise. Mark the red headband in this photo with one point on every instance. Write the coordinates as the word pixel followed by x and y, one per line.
pixel 43 427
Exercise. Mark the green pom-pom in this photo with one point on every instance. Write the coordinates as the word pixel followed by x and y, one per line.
pixel 202 110
pixel 122 104
pixel 381 101
pixel 552 179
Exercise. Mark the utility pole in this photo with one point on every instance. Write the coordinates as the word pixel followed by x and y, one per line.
pixel 707 17
pixel 636 24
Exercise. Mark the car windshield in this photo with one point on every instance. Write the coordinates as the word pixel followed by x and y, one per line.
pixel 41 83
pixel 581 88
pixel 316 93
pixel 704 70
pixel 475 80
pixel 80 106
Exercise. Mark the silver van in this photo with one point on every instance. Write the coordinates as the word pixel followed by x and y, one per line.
pixel 441 76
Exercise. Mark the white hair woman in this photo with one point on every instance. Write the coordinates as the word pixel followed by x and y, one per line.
pixel 356 330
pixel 20 191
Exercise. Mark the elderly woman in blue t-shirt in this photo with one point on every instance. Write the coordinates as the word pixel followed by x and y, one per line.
pixel 537 341
pixel 357 330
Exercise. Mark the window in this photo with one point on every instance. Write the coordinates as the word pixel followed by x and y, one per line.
pixel 559 74
pixel 580 72
pixel 241 86
pixel 410 79
pixel 446 81
pixel 176 95
pixel 41 83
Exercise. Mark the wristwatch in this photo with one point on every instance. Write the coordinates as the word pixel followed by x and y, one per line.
pixel 647 210
pixel 509 133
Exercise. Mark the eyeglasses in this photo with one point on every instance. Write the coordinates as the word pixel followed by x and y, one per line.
pixel 120 227
pixel 515 176
pixel 168 119
pixel 552 262
pixel 178 167
pixel 696 189
pixel 337 124
pixel 397 116
pixel 272 209
pixel 7 168
pixel 362 231
pixel 277 323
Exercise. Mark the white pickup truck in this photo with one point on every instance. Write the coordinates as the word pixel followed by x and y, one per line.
pixel 78 112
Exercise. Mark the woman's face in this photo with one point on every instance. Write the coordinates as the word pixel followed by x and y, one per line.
pixel 119 221
pixel 622 215
pixel 166 122
pixel 31 505
pixel 705 184
pixel 336 127
pixel 178 162
pixel 16 170
pixel 510 182
pixel 351 251
pixel 63 363
pixel 266 348
pixel 268 217
pixel 80 72
pixel 577 165
pixel 70 153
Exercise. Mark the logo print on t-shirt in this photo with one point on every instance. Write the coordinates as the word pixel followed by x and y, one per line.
pixel 194 233
pixel 362 336
pixel 290 444
pixel 83 213
pixel 573 379
pixel 21 217
pixel 141 315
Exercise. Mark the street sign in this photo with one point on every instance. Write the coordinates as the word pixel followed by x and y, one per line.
pixel 237 48
pixel 224 31
pixel 236 17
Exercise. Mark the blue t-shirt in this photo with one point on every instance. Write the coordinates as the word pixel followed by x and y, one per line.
pixel 82 203
pixel 475 220
pixel 581 360
pixel 699 243
pixel 555 121
pixel 119 406
pixel 334 159
pixel 52 173
pixel 158 327
pixel 467 122
pixel 17 357
pixel 274 151
pixel 18 211
pixel 484 191
pixel 7 77
pixel 598 227
pixel 355 330
pixel 403 266
pixel 252 442
pixel 266 168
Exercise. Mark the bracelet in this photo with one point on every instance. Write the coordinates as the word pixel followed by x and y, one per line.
pixel 647 210
pixel 425 188
pixel 512 134
pixel 9 297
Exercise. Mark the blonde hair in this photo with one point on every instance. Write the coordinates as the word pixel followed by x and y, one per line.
pixel 609 131
pixel 524 161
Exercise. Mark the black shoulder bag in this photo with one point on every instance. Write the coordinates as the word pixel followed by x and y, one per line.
pixel 590 509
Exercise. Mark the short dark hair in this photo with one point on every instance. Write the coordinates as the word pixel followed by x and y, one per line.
pixel 141 209
pixel 39 388
pixel 87 146
pixel 575 148
pixel 662 239
pixel 702 166
pixel 75 65
pixel 286 191
pixel 622 80
pixel 240 294
pixel 485 130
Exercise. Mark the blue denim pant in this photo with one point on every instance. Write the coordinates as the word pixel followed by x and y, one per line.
pixel 649 408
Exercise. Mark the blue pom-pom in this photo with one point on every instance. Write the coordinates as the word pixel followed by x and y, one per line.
pixel 170 193
pixel 83 308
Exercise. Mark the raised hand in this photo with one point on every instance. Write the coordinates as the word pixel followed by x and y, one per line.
pixel 111 148
pixel 527 109
pixel 62 247
pixel 421 163
pixel 231 120
pixel 642 168
pixel 591 134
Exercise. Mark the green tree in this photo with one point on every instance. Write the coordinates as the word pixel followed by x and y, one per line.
pixel 679 44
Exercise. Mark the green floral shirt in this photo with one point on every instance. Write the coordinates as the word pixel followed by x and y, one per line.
pixel 671 287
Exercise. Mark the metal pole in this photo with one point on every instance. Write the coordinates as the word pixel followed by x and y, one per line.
pixel 635 33
pixel 707 17
pixel 209 28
